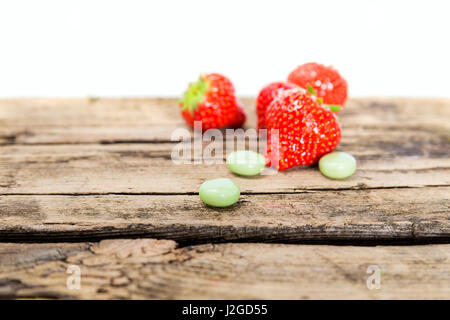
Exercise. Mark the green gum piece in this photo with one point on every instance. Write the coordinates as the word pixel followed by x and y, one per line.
pixel 337 165
pixel 220 192
pixel 246 163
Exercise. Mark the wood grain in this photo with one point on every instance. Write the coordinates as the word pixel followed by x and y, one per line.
pixel 409 214
pixel 92 168
pixel 82 170
pixel 94 120
pixel 398 143
pixel 148 169
pixel 152 269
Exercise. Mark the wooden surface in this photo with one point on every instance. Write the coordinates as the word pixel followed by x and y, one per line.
pixel 84 170
pixel 147 268
pixel 406 214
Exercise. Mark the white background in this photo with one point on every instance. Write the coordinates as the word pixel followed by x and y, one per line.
pixel 153 48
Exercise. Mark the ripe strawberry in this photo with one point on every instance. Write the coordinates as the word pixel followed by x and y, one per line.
pixel 212 100
pixel 307 130
pixel 265 97
pixel 325 81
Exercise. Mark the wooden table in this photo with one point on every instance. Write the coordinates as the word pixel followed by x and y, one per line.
pixel 90 182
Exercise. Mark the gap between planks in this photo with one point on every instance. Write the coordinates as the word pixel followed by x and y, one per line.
pixel 297 191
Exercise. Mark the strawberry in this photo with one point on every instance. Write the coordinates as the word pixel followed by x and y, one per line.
pixel 306 129
pixel 325 81
pixel 265 97
pixel 212 100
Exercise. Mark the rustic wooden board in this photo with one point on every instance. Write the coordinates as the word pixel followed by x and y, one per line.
pixel 91 168
pixel 148 168
pixel 410 214
pixel 147 268
pixel 84 170
pixel 44 121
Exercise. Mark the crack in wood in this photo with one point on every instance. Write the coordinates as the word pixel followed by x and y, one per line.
pixel 295 191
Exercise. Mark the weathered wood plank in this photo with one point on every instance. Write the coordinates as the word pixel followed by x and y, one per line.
pixel 398 142
pixel 148 168
pixel 31 121
pixel 151 269
pixel 16 256
pixel 394 215
pixel 395 148
pixel 86 120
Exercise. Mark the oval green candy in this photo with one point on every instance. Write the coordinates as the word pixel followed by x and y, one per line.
pixel 221 192
pixel 246 162
pixel 337 165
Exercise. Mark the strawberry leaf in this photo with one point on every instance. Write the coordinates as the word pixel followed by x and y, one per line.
pixel 311 90
pixel 194 95
pixel 334 107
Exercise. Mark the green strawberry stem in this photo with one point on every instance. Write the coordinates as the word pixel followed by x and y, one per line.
pixel 332 107
pixel 311 90
pixel 194 95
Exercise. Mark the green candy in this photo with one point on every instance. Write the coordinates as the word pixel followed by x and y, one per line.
pixel 221 192
pixel 337 165
pixel 246 163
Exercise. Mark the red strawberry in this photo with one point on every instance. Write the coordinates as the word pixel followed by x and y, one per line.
pixel 307 130
pixel 212 100
pixel 265 97
pixel 325 81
